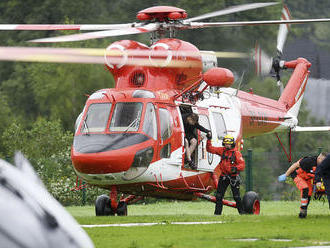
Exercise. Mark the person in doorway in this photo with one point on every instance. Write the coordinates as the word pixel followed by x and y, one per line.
pixel 190 122
pixel 302 173
pixel 322 172
pixel 231 164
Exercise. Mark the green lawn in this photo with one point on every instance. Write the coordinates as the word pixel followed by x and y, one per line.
pixel 278 220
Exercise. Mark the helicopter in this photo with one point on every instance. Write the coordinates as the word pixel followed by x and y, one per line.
pixel 130 139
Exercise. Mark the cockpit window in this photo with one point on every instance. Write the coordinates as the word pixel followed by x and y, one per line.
pixel 150 122
pixel 126 117
pixel 96 118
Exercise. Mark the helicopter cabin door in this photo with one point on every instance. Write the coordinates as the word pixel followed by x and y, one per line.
pixel 201 155
pixel 170 141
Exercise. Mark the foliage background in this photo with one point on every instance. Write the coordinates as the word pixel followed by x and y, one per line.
pixel 40 102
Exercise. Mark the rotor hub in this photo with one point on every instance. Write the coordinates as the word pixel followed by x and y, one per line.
pixel 162 13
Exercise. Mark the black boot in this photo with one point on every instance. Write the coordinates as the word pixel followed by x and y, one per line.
pixel 303 213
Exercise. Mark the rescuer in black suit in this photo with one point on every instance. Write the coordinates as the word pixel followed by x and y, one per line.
pixel 323 172
pixel 190 122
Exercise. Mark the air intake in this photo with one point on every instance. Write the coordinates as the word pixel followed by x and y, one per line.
pixel 137 79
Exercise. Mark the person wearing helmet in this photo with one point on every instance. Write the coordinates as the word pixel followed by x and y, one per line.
pixel 302 173
pixel 190 122
pixel 231 164
pixel 323 172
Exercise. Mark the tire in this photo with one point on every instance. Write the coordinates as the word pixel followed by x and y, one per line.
pixel 251 203
pixel 103 206
pixel 122 209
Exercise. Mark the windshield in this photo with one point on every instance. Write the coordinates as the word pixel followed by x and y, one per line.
pixel 126 117
pixel 96 118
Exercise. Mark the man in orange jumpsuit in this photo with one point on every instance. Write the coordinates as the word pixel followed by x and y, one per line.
pixel 302 173
pixel 231 164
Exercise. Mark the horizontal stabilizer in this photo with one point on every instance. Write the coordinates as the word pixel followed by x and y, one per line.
pixel 311 129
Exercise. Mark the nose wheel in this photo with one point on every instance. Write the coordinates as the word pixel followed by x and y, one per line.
pixel 103 207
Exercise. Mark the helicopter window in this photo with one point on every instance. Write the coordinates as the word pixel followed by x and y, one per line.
pixel 97 95
pixel 165 123
pixel 220 125
pixel 150 122
pixel 126 117
pixel 165 152
pixel 96 118
pixel 143 94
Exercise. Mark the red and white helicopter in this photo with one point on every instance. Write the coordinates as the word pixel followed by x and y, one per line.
pixel 130 139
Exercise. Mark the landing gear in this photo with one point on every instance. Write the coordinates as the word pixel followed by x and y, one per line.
pixel 103 206
pixel 251 203
pixel 108 205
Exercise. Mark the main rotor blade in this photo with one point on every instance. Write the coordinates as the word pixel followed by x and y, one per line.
pixel 45 54
pixel 100 34
pixel 93 56
pixel 194 25
pixel 230 10
pixel 225 54
pixel 283 30
pixel 234 55
pixel 64 26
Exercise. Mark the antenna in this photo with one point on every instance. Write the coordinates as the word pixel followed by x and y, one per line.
pixel 240 82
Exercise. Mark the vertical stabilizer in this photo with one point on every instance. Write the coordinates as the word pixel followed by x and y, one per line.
pixel 295 88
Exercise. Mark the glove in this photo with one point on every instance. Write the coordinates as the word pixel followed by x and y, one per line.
pixel 282 178
pixel 233 170
pixel 209 135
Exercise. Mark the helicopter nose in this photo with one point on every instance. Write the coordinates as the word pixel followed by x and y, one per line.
pixel 103 162
pixel 109 153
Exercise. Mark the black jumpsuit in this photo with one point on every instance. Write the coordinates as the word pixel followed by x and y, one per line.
pixel 323 171
pixel 190 129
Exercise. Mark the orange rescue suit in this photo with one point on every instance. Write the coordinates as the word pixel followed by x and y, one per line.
pixel 304 178
pixel 229 158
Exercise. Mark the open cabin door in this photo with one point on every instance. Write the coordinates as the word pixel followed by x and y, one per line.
pixel 205 159
pixel 170 142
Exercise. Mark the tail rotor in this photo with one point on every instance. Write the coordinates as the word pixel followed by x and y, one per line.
pixel 266 65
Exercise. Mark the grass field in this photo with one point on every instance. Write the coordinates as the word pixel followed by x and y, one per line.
pixel 276 226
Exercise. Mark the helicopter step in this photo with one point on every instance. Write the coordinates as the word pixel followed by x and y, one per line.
pixel 251 201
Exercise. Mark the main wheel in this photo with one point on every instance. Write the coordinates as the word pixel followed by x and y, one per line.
pixel 103 206
pixel 122 208
pixel 251 203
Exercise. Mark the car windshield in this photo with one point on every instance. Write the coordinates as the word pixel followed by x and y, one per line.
pixel 96 118
pixel 126 117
